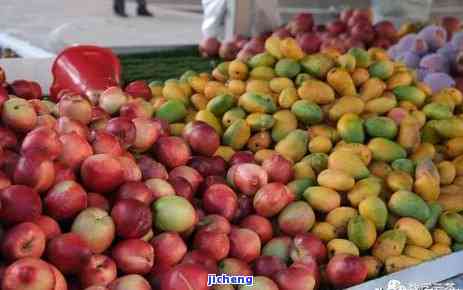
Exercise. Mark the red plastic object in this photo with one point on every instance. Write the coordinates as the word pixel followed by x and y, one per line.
pixel 85 69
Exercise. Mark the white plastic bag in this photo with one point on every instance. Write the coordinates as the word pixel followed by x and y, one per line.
pixel 214 12
pixel 243 17
pixel 400 11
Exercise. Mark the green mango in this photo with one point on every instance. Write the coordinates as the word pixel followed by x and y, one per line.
pixel 350 128
pixel 404 164
pixel 362 58
pixel 262 73
pixel 450 128
pixel 186 76
pixel 429 134
pixel 391 243
pixel 263 59
pixel 210 119
pixel 307 112
pixel 386 150
pixel 375 209
pixel 318 161
pixel 260 121
pixel 452 223
pixel 172 111
pixel 435 211
pixel 285 122
pixel 382 69
pixel 349 163
pixel 362 232
pixel 301 78
pixel 408 204
pixel 223 68
pixel 317 64
pixel 288 68
pixel 294 145
pixel 411 94
pixel 232 115
pixel 437 111
pixel 237 134
pixel 298 186
pixel 347 62
pixel 220 104
pixel 256 103
pixel 381 127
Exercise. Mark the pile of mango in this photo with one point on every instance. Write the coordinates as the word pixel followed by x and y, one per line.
pixel 375 153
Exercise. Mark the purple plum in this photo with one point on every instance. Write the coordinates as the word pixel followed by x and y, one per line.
pixel 435 62
pixel 413 43
pixel 421 73
pixel 438 81
pixel 408 58
pixel 434 35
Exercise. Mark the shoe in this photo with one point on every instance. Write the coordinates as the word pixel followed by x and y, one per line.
pixel 142 11
pixel 120 12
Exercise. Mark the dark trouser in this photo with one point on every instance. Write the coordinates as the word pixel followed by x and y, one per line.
pixel 120 4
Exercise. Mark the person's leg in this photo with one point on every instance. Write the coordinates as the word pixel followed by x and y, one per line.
pixel 119 8
pixel 142 10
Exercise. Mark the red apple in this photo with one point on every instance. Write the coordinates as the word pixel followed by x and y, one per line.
pixel 49 226
pixel 102 173
pixel 309 42
pixel 190 174
pixel 239 40
pixel 159 187
pixel 228 50
pixel 136 108
pixel 207 166
pixel 24 240
pixel 193 277
pixel 134 281
pixel 66 125
pixel 182 187
pixel 244 244
pixel 133 219
pixel 8 138
pixel 362 32
pixel 241 157
pixel 214 223
pixel 133 256
pixel 62 172
pixel 19 204
pixel 202 138
pixel 346 15
pixel 42 141
pixel 96 227
pixel 8 162
pixel 131 171
pixel 36 172
pixel 139 89
pixel 214 244
pixel 47 121
pixel 172 151
pixel 209 181
pixel 19 115
pixel 151 169
pixel 97 200
pixel 136 190
pixel 245 207
pixel 169 248
pixel 123 129
pixel 346 270
pixel 105 143
pixel 295 279
pixel 76 108
pixel 209 47
pixel 268 266
pixel 65 200
pixel 112 99
pixel 75 150
pixel 146 134
pixel 199 258
pixel 260 225
pixel 310 265
pixel 29 273
pixel 26 89
pixel 234 267
pixel 302 22
pixel 278 168
pixel 99 270
pixel 359 16
pixel 68 252
pixel 336 27
pixel 381 42
pixel 308 245
pixel 282 33
pixel 40 107
pixel 60 281
pixel 220 199
pixel 247 177
pixel 385 29
pixel 451 24
pixel 271 199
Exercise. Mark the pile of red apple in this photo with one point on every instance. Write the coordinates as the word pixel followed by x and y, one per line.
pixel 353 28
pixel 101 197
